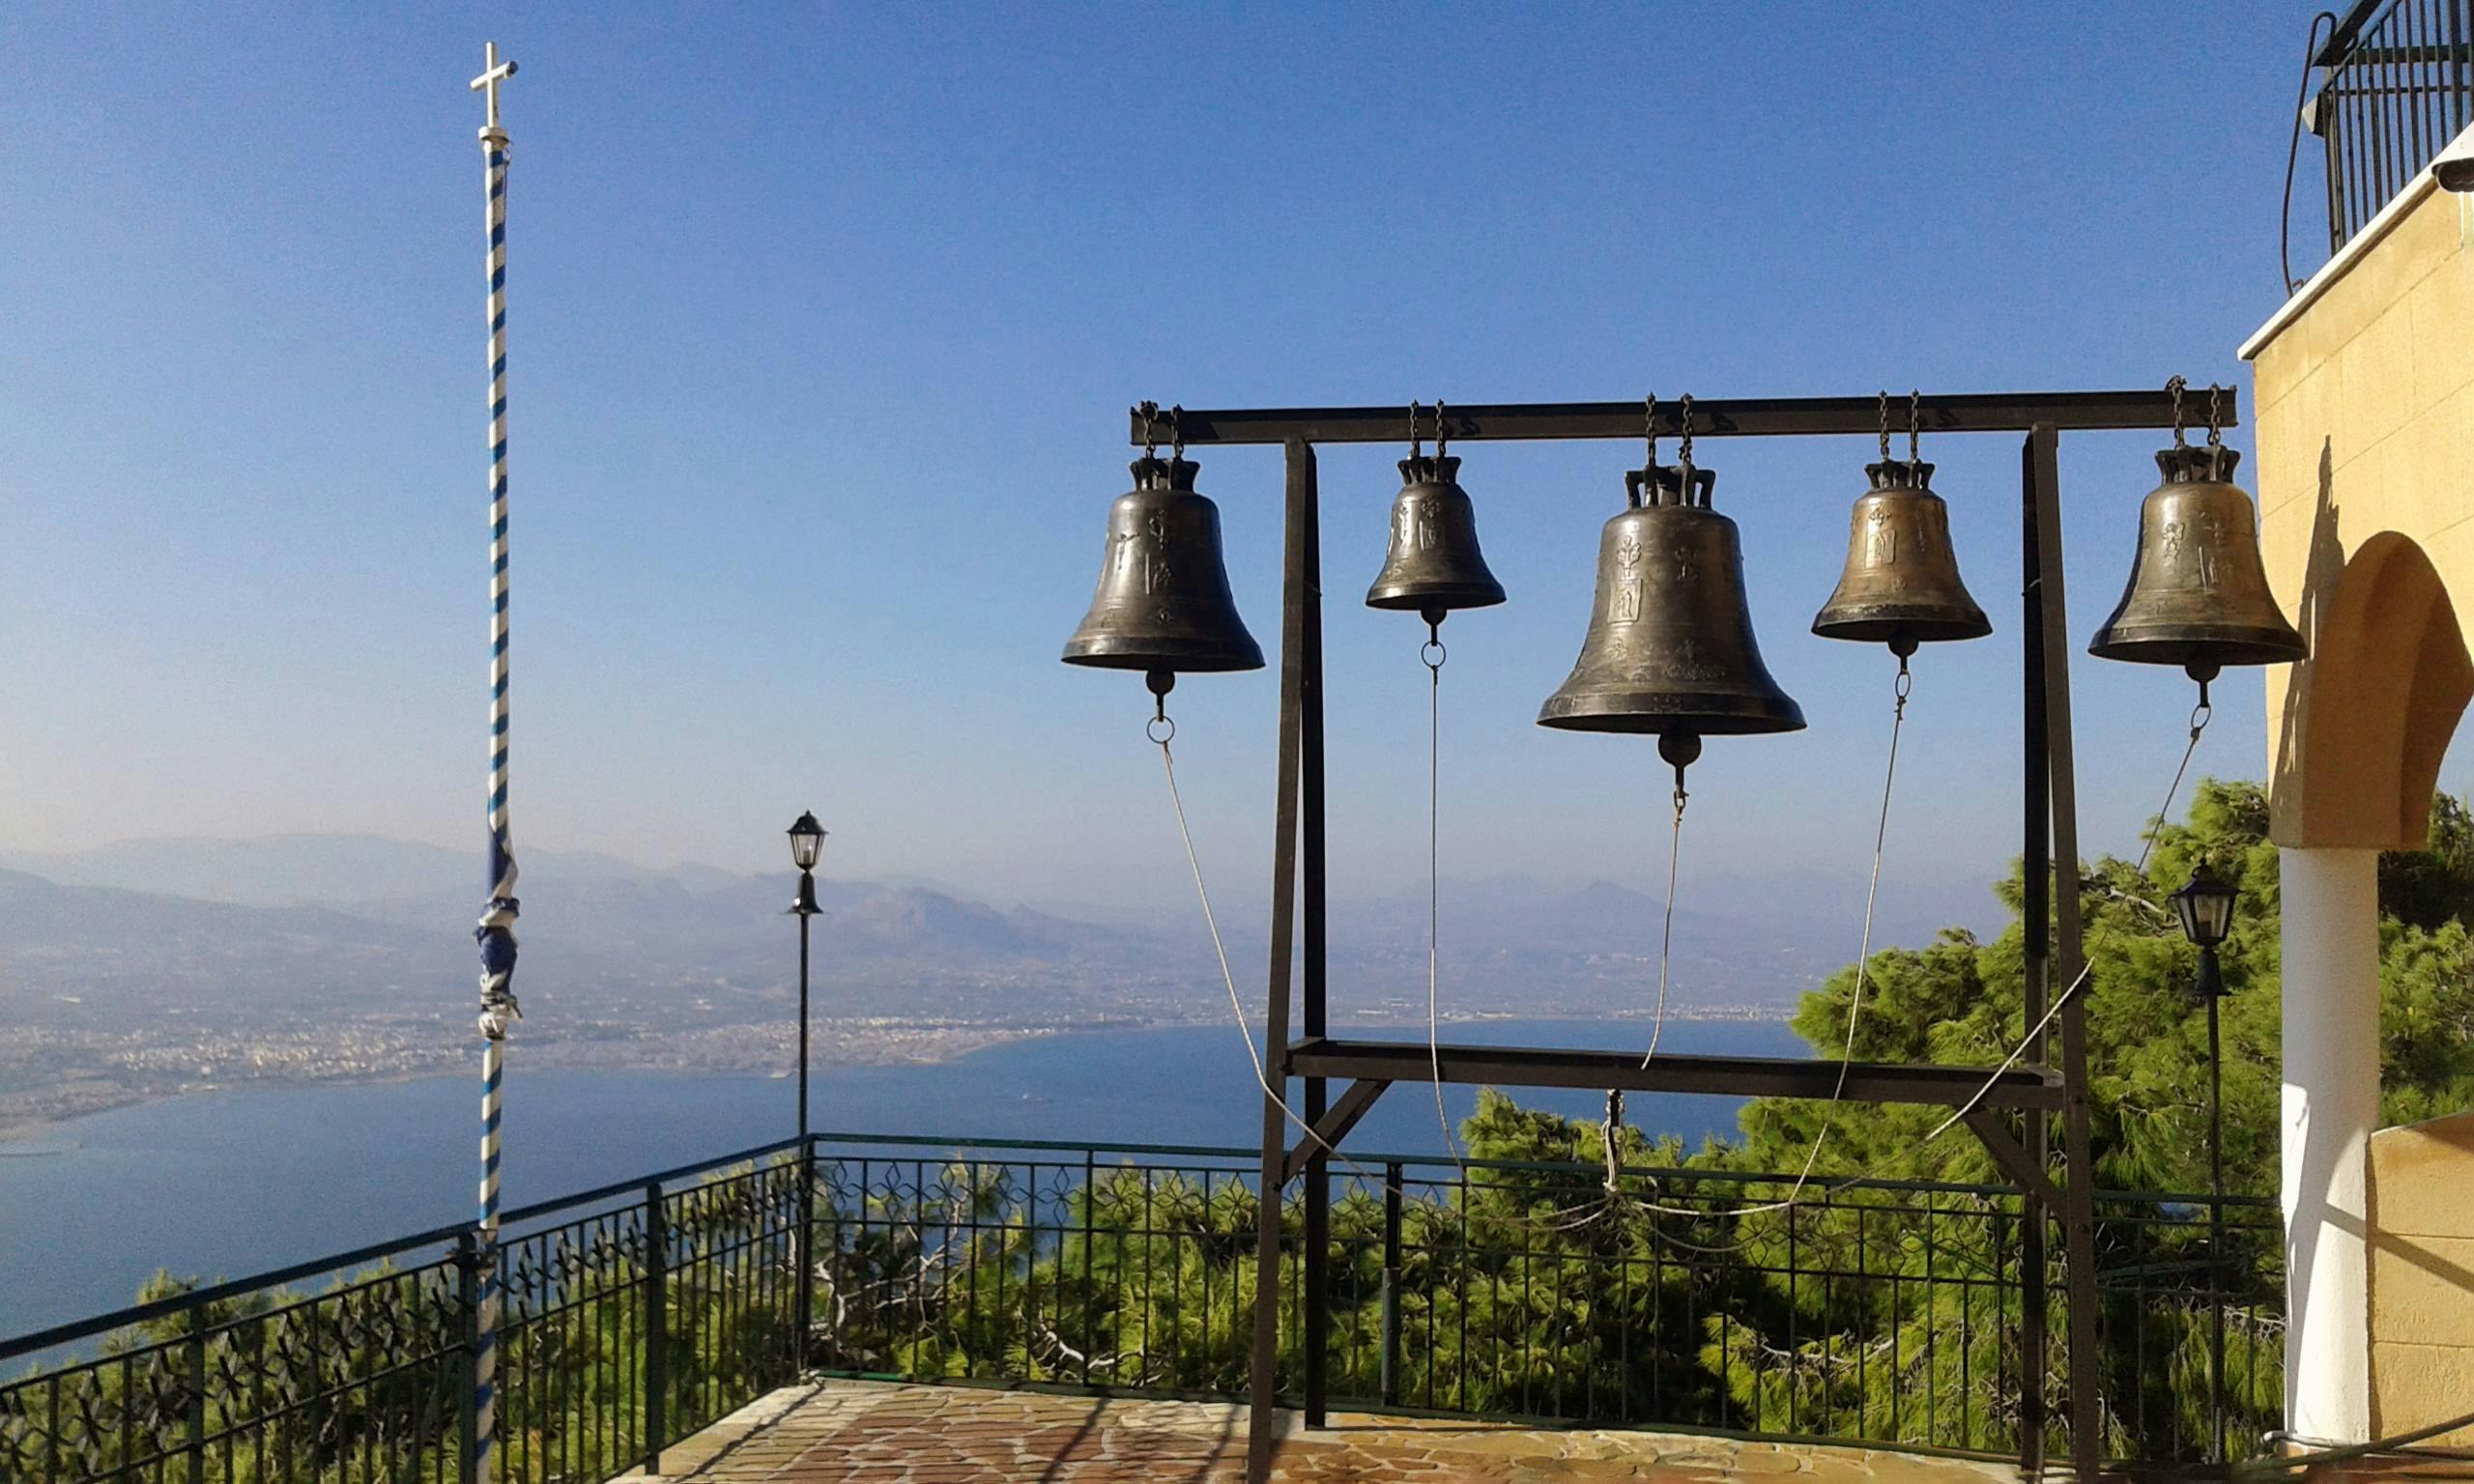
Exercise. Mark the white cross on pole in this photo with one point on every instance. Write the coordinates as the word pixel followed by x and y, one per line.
pixel 494 72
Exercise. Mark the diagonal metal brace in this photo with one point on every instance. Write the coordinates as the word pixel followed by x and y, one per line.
pixel 2013 1159
pixel 1334 1125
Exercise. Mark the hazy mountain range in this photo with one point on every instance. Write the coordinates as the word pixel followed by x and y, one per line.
pixel 292 923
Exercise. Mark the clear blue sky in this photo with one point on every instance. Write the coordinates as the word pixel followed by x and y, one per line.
pixel 824 321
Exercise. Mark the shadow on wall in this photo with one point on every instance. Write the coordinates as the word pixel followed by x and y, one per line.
pixel 2368 717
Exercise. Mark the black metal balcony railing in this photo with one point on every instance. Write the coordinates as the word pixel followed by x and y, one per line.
pixel 2396 84
pixel 1883 1311
pixel 633 1315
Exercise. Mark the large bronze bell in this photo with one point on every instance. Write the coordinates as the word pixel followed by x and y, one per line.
pixel 1901 583
pixel 2197 594
pixel 1163 604
pixel 1670 647
pixel 1434 565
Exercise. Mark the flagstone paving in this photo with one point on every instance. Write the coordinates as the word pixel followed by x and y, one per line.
pixel 885 1433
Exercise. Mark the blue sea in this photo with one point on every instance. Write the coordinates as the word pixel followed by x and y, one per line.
pixel 226 1184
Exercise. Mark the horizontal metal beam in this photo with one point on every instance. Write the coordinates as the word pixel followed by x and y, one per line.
pixel 1746 417
pixel 1725 1077
pixel 1334 1125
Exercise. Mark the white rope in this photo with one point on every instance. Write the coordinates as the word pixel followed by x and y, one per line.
pixel 1236 1006
pixel 1666 936
pixel 2199 718
pixel 1854 1004
pixel 1434 899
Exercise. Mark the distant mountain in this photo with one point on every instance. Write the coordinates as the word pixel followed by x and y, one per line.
pixel 628 943
pixel 276 870
pixel 290 924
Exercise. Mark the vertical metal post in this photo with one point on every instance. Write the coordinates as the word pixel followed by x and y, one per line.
pixel 2217 1268
pixel 2078 1193
pixel 1392 1285
pixel 495 932
pixel 801 1298
pixel 1316 1275
pixel 1264 1381
pixel 2036 936
pixel 196 1398
pixel 467 1304
pixel 656 1396
pixel 1090 1236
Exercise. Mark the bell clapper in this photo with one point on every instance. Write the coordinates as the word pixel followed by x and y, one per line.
pixel 1682 749
pixel 1160 729
pixel 2201 713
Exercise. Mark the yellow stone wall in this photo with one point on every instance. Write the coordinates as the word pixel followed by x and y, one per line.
pixel 2364 409
pixel 2421 1276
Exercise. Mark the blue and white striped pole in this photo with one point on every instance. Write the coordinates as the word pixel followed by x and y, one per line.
pixel 497 931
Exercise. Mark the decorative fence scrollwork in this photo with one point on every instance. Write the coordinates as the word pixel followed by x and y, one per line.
pixel 1877 1312
pixel 614 1344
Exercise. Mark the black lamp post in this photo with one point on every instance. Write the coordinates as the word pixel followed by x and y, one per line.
pixel 2206 905
pixel 807 842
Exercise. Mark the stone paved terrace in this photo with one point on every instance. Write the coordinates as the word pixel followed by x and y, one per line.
pixel 885 1433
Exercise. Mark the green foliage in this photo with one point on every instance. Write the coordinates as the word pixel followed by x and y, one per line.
pixel 364 1382
pixel 1529 1284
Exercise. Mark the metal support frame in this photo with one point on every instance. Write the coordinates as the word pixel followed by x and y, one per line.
pixel 2050 832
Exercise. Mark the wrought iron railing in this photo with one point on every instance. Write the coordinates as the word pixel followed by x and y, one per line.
pixel 634 1315
pixel 1880 1311
pixel 2396 84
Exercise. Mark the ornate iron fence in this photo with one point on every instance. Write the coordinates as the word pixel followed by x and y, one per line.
pixel 1883 1310
pixel 634 1315
pixel 2396 84
pixel 1880 1311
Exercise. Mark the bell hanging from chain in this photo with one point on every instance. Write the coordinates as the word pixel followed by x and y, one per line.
pixel 1164 604
pixel 1434 565
pixel 2197 594
pixel 1901 583
pixel 1670 646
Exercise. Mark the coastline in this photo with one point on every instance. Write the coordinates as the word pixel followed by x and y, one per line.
pixel 746 1049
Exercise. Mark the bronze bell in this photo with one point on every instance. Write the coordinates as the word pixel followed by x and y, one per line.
pixel 1670 647
pixel 1901 583
pixel 1163 604
pixel 2197 594
pixel 1434 565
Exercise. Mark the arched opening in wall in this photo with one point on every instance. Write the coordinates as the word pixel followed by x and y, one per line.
pixel 2368 718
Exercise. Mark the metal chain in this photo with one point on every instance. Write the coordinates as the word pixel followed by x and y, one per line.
pixel 1417 448
pixel 2177 385
pixel 1441 435
pixel 1914 421
pixel 1611 1136
pixel 1177 432
pixel 1683 454
pixel 1885 424
pixel 2215 415
pixel 1150 411
pixel 1650 422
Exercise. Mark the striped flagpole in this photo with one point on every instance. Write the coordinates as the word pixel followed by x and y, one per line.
pixel 497 931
